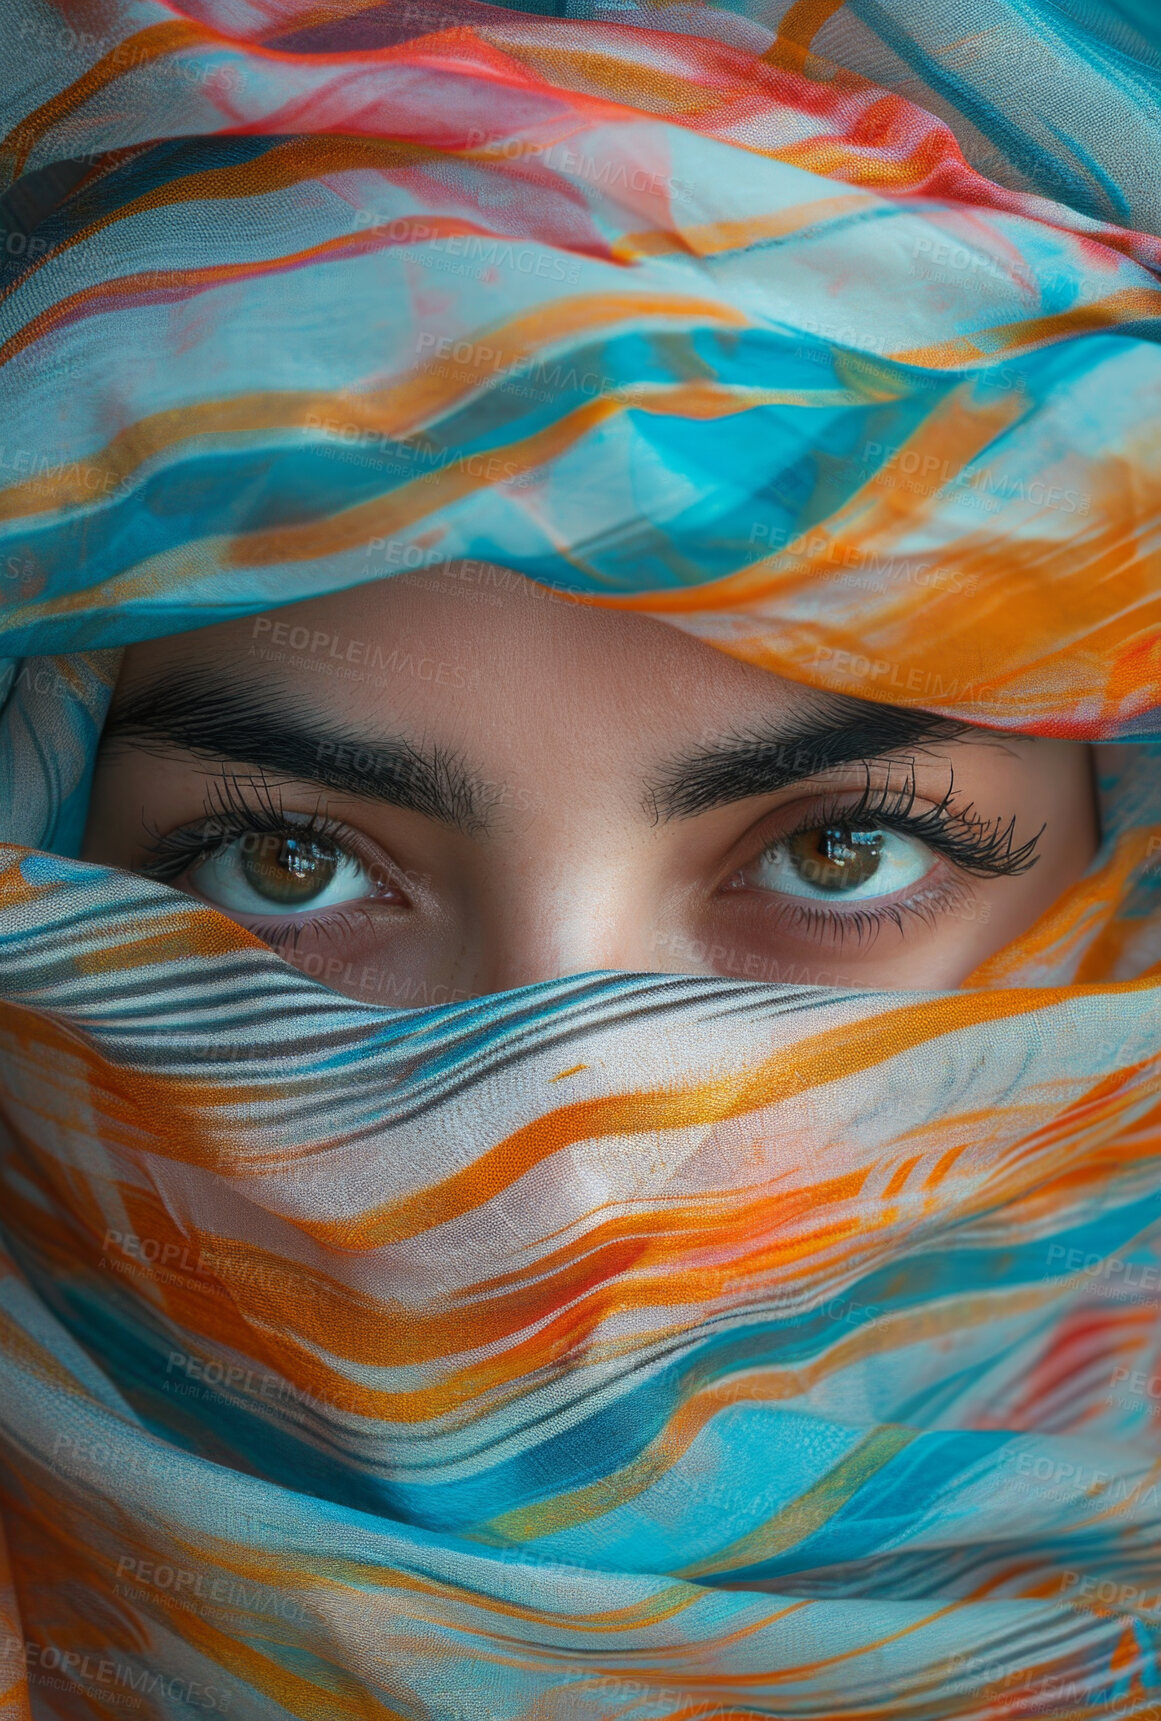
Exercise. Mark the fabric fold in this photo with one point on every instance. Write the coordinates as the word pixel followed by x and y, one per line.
pixel 629 1345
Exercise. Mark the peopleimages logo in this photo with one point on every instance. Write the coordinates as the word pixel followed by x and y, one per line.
pixel 221 1592
pixel 928 683
pixel 107 1681
pixel 468 253
pixel 238 1379
pixel 881 458
pixel 611 172
pixel 326 649
pixel 552 377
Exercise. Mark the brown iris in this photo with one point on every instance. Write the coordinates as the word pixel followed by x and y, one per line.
pixel 834 857
pixel 288 870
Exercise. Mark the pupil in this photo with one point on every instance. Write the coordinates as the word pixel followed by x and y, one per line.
pixel 287 869
pixel 835 857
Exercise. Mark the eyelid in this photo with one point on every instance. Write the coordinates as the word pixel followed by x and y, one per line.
pixel 862 922
pixel 803 812
pixel 973 845
pixel 178 851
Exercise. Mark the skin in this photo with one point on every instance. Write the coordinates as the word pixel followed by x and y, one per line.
pixel 571 719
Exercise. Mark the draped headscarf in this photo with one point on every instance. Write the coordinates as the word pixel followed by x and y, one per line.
pixel 627 1346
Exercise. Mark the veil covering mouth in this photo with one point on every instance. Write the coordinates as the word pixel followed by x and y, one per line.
pixel 626 1346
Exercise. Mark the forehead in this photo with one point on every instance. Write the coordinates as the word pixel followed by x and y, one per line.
pixel 501 663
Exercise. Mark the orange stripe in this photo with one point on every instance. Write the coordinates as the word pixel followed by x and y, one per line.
pixel 713 237
pixel 146 286
pixel 143 46
pixel 397 410
pixel 601 84
pixel 805 19
pixel 1104 313
pixel 189 934
pixel 290 163
pixel 800 25
pixel 422 497
pixel 898 1179
pixel 835 1054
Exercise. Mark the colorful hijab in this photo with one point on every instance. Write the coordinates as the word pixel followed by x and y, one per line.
pixel 630 1346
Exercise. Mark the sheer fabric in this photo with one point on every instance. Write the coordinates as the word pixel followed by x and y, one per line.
pixel 628 1346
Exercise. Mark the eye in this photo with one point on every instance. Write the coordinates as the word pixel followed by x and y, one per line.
pixel 266 872
pixel 836 861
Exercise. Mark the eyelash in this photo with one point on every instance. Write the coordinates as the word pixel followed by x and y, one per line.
pixel 978 846
pixel 230 813
pixel 238 807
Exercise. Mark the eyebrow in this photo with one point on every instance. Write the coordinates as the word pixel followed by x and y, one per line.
pixel 834 730
pixel 195 711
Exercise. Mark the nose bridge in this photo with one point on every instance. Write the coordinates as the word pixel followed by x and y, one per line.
pixel 568 911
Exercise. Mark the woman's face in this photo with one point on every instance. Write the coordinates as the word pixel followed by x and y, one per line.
pixel 436 787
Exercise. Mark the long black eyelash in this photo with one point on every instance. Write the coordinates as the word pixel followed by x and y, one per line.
pixel 862 924
pixel 234 807
pixel 985 848
pixel 286 934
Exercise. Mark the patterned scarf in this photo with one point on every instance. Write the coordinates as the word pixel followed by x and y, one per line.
pixel 629 1347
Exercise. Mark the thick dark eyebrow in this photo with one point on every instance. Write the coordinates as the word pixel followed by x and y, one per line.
pixel 833 730
pixel 196 711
